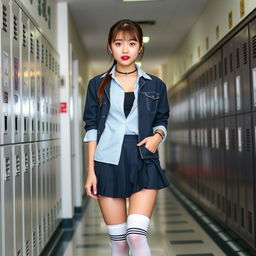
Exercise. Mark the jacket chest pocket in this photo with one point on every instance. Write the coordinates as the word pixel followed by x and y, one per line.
pixel 152 99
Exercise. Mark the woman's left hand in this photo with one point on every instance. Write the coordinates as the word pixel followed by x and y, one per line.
pixel 151 142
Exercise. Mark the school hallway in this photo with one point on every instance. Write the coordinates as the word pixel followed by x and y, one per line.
pixel 203 51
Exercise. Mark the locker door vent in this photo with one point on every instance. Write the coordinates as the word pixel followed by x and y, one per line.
pixel 7 168
pixel 58 70
pixel 15 27
pixel 56 67
pixel 17 165
pixel 218 201
pixel 24 36
pixel 53 64
pixel 27 248
pixel 26 163
pixel 230 62
pixel 31 43
pixel 235 212
pixel 220 69
pixel 33 158
pixel 34 240
pixel 44 227
pixel 211 74
pixel 250 222
pixel 19 252
pixel 5 23
pixel 242 217
pixel 50 61
pixel 47 154
pixel 39 156
pixel 232 142
pixel 48 220
pixel 254 46
pixel 248 141
pixel 215 72
pixel 42 54
pixel 237 58
pixel 229 208
pixel 39 234
pixel 37 50
pixel 245 55
pixel 225 66
pixel 46 57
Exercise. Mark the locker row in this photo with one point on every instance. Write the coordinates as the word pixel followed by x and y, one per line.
pixel 30 74
pixel 223 85
pixel 30 196
pixel 211 147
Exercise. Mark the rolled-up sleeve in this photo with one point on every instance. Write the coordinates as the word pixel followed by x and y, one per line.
pixel 161 127
pixel 91 135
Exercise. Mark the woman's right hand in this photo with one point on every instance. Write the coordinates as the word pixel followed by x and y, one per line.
pixel 91 185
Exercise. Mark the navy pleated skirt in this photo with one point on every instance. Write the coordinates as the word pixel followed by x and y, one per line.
pixel 132 174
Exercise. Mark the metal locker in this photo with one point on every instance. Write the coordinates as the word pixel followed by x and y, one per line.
pixel 18 207
pixel 48 189
pixel 248 172
pixel 58 179
pixel 15 70
pixel 252 27
pixel 24 76
pixel 43 89
pixel 229 99
pixel 32 81
pixel 38 79
pixel 1 205
pixel 26 199
pixel 39 204
pixel 6 115
pixel 54 168
pixel 34 196
pixel 241 176
pixel 47 79
pixel 242 79
pixel 8 210
pixel 231 172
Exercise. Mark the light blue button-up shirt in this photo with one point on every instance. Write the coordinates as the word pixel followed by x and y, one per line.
pixel 109 147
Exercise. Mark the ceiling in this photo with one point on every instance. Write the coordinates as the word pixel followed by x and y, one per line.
pixel 173 19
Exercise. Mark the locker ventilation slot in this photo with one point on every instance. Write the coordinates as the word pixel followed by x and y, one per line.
pixel 24 36
pixel 48 221
pixel 27 248
pixel 37 50
pixel 50 61
pixel 225 66
pixel 46 57
pixel 44 227
pixel 34 240
pixel 237 58
pixel 229 208
pixel 19 252
pixel 235 212
pixel 250 223
pixel 17 165
pixel 26 162
pixel 245 56
pixel 33 158
pixel 39 156
pixel 15 27
pixel 31 43
pixel 232 142
pixel 220 69
pixel 215 72
pixel 248 141
pixel 5 23
pixel 40 234
pixel 231 62
pixel 7 168
pixel 254 46
pixel 211 74
pixel 242 217
pixel 53 64
pixel 42 53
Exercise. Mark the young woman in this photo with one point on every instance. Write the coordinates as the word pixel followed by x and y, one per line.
pixel 126 115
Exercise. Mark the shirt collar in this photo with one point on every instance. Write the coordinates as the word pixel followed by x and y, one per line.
pixel 141 72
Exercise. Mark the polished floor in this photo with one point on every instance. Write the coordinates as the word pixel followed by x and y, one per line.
pixel 172 232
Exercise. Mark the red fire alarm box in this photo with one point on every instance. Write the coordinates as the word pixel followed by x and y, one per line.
pixel 63 107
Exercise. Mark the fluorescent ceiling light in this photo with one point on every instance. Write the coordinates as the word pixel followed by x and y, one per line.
pixel 146 39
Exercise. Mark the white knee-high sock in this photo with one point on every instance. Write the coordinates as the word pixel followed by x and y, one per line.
pixel 137 226
pixel 117 235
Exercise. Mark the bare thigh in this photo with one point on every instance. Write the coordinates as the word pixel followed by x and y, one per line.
pixel 143 202
pixel 113 210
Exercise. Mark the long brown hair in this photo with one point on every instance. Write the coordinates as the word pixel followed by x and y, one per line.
pixel 124 25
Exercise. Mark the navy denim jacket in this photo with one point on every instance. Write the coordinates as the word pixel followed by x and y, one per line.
pixel 153 109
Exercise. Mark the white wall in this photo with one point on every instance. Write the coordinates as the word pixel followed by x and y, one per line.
pixel 216 13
